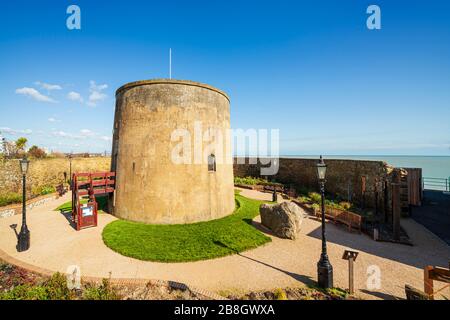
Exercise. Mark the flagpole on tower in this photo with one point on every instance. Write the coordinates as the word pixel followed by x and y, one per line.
pixel 170 63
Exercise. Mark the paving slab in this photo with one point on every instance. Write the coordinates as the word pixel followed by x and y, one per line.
pixel 55 245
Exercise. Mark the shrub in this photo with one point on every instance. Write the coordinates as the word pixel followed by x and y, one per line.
pixel 315 197
pixel 304 199
pixel 280 294
pixel 10 198
pixel 345 205
pixel 337 293
pixel 47 190
pixel 24 292
pixel 43 190
pixel 331 203
pixel 53 289
pixel 57 288
pixel 36 152
pixel 102 292
pixel 249 181
pixel 315 207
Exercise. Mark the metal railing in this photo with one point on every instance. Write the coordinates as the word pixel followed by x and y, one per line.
pixel 441 184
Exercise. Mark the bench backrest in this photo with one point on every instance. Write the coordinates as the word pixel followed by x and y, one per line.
pixel 346 216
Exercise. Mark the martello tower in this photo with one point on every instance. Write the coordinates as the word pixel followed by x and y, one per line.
pixel 150 186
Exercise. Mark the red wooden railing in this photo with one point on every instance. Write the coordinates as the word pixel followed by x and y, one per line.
pixel 89 184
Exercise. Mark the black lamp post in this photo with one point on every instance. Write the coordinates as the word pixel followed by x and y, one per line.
pixel 23 243
pixel 324 268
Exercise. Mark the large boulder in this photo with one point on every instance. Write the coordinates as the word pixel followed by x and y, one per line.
pixel 283 219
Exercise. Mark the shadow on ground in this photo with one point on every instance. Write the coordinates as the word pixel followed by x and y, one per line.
pixel 301 278
pixel 102 202
pixel 434 214
pixel 381 295
pixel 68 215
pixel 417 256
pixel 14 228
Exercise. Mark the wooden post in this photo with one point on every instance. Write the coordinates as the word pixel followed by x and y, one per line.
pixel 396 208
pixel 376 204
pixel 350 255
pixel 363 191
pixel 386 201
pixel 376 234
pixel 351 288
pixel 428 282
pixel 349 191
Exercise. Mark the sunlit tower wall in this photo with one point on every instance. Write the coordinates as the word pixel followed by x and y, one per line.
pixel 150 186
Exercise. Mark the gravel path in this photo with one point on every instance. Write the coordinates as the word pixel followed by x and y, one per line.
pixel 55 245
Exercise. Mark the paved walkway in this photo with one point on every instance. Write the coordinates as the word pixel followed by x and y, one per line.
pixel 55 245
pixel 434 213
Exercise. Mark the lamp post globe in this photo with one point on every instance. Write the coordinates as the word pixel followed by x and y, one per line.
pixel 324 267
pixel 23 242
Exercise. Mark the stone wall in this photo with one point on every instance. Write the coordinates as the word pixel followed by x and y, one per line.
pixel 45 172
pixel 344 177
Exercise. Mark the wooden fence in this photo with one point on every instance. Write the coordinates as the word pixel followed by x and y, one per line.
pixel 415 191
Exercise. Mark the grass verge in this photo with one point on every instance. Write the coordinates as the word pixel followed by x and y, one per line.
pixel 188 242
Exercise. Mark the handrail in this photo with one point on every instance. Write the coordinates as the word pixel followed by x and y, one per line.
pixel 440 184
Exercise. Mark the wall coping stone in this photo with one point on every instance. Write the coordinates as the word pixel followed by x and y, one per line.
pixel 170 81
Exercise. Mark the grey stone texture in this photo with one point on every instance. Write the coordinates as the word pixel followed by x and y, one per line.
pixel 283 219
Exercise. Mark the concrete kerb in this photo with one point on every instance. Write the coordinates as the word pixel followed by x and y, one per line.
pixel 115 281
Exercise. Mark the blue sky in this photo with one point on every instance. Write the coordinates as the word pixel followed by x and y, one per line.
pixel 309 68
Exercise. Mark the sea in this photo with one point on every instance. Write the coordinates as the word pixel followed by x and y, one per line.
pixel 432 166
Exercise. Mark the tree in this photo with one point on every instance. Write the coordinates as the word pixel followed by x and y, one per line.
pixel 36 152
pixel 20 143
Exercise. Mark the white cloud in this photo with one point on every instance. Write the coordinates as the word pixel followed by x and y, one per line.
pixel 51 119
pixel 67 135
pixel 61 134
pixel 96 95
pixel 84 135
pixel 87 133
pixel 48 86
pixel 36 95
pixel 15 132
pixel 106 138
pixel 75 96
pixel 96 87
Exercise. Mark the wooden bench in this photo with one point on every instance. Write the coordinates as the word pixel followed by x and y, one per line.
pixel 61 189
pixel 350 219
pixel 270 188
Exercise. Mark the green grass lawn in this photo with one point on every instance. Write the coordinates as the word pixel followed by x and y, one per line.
pixel 188 242
pixel 101 201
